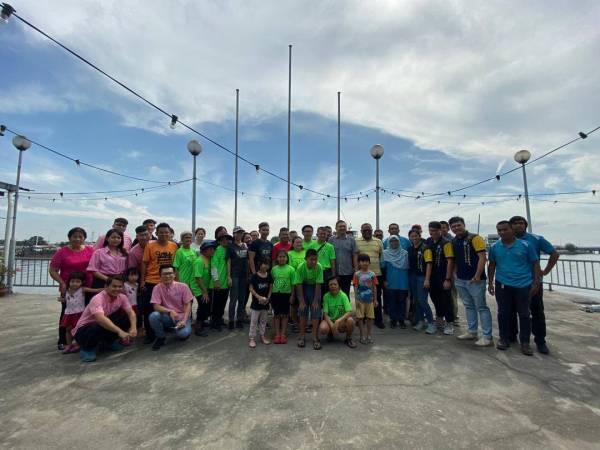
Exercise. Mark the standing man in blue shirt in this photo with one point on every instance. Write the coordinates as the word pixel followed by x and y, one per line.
pixel 539 244
pixel 515 267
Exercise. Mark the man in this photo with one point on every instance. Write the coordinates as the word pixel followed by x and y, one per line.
pixel 536 305
pixel 329 231
pixel 446 235
pixel 446 230
pixel 156 253
pixel 439 279
pixel 238 255
pixel 373 247
pixel 337 314
pixel 307 233
pixel 469 259
pixel 260 249
pixel 346 255
pixel 293 235
pixel 136 254
pixel 326 253
pixel 150 224
pixel 103 321
pixel 172 302
pixel 394 230
pixel 516 267
pixel 283 244
pixel 119 224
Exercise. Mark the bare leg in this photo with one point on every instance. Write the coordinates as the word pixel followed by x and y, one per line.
pixel 361 327
pixel 302 327
pixel 315 330
pixel 283 327
pixel 68 336
pixel 369 327
pixel 349 324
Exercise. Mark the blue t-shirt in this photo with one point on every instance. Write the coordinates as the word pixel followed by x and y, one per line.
pixel 396 278
pixel 539 243
pixel 404 243
pixel 513 262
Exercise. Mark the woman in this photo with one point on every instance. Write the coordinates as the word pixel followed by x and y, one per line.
pixel 394 268
pixel 419 257
pixel 295 257
pixel 199 235
pixel 108 261
pixel 74 257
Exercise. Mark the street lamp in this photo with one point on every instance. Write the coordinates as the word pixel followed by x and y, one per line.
pixel 377 153
pixel 21 143
pixel 195 149
pixel 522 156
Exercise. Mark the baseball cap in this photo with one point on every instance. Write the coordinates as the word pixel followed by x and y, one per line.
pixel 238 230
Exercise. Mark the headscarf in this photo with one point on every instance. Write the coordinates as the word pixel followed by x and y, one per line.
pixel 396 257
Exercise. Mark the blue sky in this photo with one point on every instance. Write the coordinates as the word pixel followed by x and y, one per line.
pixel 451 92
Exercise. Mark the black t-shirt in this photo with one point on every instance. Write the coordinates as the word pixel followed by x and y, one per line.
pixel 263 249
pixel 261 287
pixel 239 259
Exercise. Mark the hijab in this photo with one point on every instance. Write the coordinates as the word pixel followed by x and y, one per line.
pixel 396 257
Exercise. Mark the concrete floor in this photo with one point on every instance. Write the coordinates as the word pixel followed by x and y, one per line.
pixel 408 390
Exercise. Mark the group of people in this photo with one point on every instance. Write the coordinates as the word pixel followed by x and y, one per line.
pixel 121 288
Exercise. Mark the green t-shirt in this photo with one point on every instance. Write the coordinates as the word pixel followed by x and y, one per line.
pixel 283 279
pixel 219 262
pixel 201 270
pixel 336 307
pixel 296 258
pixel 307 245
pixel 326 254
pixel 305 275
pixel 184 263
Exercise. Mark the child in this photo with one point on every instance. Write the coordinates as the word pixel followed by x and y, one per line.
pixel 260 287
pixel 394 268
pixel 75 305
pixel 283 281
pixel 309 277
pixel 131 290
pixel 365 293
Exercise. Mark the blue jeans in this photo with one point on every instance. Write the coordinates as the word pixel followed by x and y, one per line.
pixel 158 322
pixel 473 297
pixel 396 300
pixel 419 294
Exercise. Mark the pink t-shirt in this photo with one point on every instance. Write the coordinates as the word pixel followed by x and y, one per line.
pixel 173 297
pixel 130 292
pixel 135 256
pixel 126 242
pixel 67 261
pixel 101 303
pixel 102 261
pixel 75 302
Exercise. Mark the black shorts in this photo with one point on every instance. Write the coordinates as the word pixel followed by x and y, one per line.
pixel 281 304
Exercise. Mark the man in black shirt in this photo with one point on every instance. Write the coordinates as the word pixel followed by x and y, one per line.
pixel 260 249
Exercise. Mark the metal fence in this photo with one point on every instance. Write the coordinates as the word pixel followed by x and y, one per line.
pixel 33 272
pixel 574 273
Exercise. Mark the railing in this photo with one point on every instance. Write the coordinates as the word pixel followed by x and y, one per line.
pixel 33 272
pixel 574 273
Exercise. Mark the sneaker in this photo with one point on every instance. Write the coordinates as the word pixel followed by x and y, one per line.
pixel 231 325
pixel 158 343
pixel 252 343
pixel 543 348
pixel 431 329
pixel 239 325
pixel 419 326
pixel 502 345
pixel 87 356
pixel 449 329
pixel 526 349
pixel 467 336
pixel 60 347
pixel 116 346
pixel 369 340
pixel 484 342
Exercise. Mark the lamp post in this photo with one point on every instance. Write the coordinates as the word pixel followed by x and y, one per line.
pixel 522 156
pixel 195 149
pixel 377 153
pixel 21 143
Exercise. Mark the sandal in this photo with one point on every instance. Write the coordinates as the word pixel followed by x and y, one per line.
pixel 252 343
pixel 350 343
pixel 301 342
pixel 316 345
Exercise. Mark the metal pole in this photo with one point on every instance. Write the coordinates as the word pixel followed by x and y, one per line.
pixel 339 160
pixel 289 171
pixel 529 226
pixel 237 121
pixel 194 198
pixel 11 256
pixel 377 193
pixel 478 222
pixel 8 228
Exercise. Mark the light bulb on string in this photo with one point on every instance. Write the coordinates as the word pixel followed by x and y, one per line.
pixel 173 123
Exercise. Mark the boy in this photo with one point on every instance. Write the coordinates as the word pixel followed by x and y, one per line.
pixel 309 277
pixel 337 314
pixel 365 292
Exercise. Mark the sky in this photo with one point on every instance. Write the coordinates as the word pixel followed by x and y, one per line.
pixel 450 89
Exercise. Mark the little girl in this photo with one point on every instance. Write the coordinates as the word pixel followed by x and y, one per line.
pixel 281 296
pixel 131 291
pixel 75 304
pixel 260 287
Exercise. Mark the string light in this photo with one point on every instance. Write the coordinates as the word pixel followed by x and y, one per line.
pixel 173 121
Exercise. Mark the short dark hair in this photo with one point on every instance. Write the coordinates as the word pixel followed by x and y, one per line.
pixel 307 226
pixel 435 225
pixel 112 278
pixel 165 267
pixel 284 229
pixel 503 222
pixel 443 222
pixel 280 251
pixel 141 229
pixel 414 230
pixel 364 257
pixel 147 221
pixel 331 278
pixel 131 270
pixel 339 221
pixel 515 219
pixel 311 252
pixel 121 220
pixel 76 276
pixel 72 231
pixel 198 229
pixel 393 223
pixel 263 224
pixel 266 260
pixel 456 219
pixel 163 225
pixel 218 230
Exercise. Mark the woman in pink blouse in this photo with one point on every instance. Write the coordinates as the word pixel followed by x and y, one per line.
pixel 73 257
pixel 110 260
